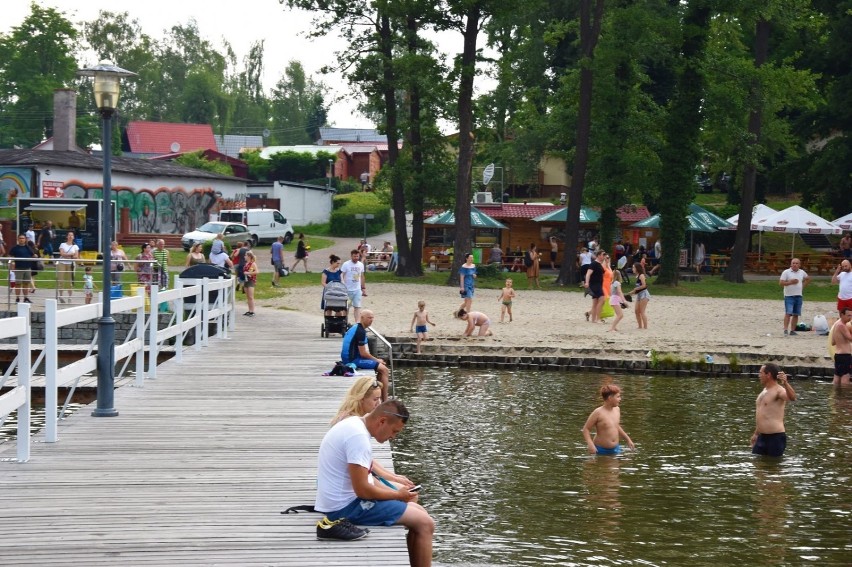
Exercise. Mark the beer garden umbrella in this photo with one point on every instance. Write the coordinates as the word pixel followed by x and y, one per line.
pixel 796 220
pixel 587 215
pixel 758 214
pixel 844 222
pixel 478 219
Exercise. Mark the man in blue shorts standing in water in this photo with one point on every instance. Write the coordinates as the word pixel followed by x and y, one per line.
pixel 769 435
pixel 347 495
pixel 355 351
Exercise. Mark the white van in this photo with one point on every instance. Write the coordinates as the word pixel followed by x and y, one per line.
pixel 265 225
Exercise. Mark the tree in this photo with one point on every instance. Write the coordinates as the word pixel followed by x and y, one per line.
pixel 36 58
pixel 298 108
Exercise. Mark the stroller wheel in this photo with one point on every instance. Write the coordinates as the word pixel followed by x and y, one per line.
pixel 322 331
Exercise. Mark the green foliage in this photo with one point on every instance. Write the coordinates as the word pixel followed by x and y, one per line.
pixel 258 167
pixel 298 107
pixel 196 160
pixel 298 166
pixel 345 207
pixel 734 362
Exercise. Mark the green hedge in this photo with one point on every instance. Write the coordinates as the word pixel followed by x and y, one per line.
pixel 344 223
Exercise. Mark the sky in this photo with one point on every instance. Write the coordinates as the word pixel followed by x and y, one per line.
pixel 240 22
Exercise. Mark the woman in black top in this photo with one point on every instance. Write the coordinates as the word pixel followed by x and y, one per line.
pixel 301 253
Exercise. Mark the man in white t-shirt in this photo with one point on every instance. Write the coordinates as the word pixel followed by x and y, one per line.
pixel 843 276
pixel 352 275
pixel 68 252
pixel 793 280
pixel 345 488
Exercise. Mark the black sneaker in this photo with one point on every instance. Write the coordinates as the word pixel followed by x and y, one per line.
pixel 341 529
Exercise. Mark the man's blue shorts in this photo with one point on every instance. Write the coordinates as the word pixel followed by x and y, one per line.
pixel 617 450
pixel 770 444
pixel 371 512
pixel 793 305
pixel 365 363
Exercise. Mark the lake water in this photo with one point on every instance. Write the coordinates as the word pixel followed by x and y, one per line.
pixel 507 477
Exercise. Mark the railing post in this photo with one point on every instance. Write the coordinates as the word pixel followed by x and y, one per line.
pixel 179 321
pixel 152 333
pixel 232 304
pixel 24 375
pixel 51 367
pixel 205 308
pixel 140 334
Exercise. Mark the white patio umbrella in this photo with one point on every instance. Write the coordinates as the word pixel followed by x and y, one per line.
pixel 759 213
pixel 844 222
pixel 796 220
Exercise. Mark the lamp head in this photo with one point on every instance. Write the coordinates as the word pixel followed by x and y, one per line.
pixel 106 84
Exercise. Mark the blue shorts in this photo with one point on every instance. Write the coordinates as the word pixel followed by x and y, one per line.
pixel 371 512
pixel 354 297
pixel 770 444
pixel 365 363
pixel 793 305
pixel 420 329
pixel 617 450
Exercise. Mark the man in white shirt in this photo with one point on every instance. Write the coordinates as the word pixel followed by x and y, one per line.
pixel 843 276
pixel 793 280
pixel 352 275
pixel 68 252
pixel 345 489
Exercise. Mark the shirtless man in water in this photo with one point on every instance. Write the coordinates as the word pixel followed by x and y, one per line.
pixel 606 421
pixel 769 437
pixel 841 338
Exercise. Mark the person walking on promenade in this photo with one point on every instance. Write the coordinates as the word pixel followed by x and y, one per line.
pixel 161 255
pixel 117 262
pixel 507 295
pixel 145 267
pixel 22 270
pixel 467 279
pixel 345 492
pixel 352 276
pixel 642 295
pixel 793 280
pixel 606 421
pixel 250 272
pixel 769 436
pixel 421 319
pixel 355 350
pixel 594 286
pixel 45 239
pixel 68 252
pixel 841 340
pixel 195 256
pixel 532 261
pixel 301 254
pixel 843 277
pixel 276 252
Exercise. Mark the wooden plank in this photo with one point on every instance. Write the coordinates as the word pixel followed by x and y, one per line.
pixel 197 466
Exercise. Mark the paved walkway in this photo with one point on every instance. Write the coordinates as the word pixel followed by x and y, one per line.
pixel 197 466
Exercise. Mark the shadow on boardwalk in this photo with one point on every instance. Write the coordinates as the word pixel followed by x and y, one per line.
pixel 197 466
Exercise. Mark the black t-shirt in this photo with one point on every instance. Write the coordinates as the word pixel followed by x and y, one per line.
pixel 596 279
pixel 22 251
pixel 300 249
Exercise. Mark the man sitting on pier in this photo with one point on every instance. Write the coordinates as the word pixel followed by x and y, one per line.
pixel 355 351
pixel 345 490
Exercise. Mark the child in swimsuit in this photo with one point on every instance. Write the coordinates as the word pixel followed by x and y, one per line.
pixel 506 296
pixel 421 318
pixel 475 319
pixel 606 421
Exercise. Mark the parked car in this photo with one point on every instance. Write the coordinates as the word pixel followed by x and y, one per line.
pixel 233 232
pixel 265 225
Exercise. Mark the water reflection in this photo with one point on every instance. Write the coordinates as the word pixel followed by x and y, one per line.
pixel 507 476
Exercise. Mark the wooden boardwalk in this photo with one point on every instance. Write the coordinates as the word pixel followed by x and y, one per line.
pixel 198 465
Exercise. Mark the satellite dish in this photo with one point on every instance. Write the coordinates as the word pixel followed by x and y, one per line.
pixel 175 147
pixel 266 132
pixel 488 173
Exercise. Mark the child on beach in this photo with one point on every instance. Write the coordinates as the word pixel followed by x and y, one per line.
pixel 606 421
pixel 88 284
pixel 421 318
pixel 616 299
pixel 507 294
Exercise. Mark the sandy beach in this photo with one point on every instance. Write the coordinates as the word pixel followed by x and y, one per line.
pixel 688 328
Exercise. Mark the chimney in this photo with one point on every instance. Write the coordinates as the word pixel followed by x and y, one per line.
pixel 65 120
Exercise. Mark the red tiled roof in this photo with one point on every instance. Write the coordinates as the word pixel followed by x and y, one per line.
pixel 627 213
pixel 159 137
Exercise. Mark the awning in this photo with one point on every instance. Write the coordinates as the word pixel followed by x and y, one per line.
pixel 695 223
pixel 587 215
pixel 478 219
pixel 54 207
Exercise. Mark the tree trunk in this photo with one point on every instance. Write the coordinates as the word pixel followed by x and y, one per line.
pixel 461 242
pixel 589 33
pixel 736 266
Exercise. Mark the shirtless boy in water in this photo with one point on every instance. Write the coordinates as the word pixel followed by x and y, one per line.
pixel 769 436
pixel 841 339
pixel 606 421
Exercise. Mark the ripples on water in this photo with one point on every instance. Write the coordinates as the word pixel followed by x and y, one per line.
pixel 507 477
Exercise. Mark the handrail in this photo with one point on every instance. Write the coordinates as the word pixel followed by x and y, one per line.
pixel 390 358
pixel 20 397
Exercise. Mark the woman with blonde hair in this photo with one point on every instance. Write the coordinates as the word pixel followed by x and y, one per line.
pixel 364 396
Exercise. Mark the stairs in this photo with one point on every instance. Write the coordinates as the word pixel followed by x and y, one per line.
pixel 815 241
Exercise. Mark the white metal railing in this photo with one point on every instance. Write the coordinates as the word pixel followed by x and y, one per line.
pixel 20 397
pixel 379 336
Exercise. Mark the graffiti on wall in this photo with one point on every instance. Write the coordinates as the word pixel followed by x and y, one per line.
pixel 161 211
pixel 14 184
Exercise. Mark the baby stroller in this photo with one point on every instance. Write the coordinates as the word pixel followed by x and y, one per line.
pixel 335 302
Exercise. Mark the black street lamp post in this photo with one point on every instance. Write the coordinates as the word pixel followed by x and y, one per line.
pixel 106 87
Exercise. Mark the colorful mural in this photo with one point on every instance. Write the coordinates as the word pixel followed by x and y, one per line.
pixel 14 184
pixel 161 211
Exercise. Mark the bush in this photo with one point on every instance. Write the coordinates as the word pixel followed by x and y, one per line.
pixel 345 207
